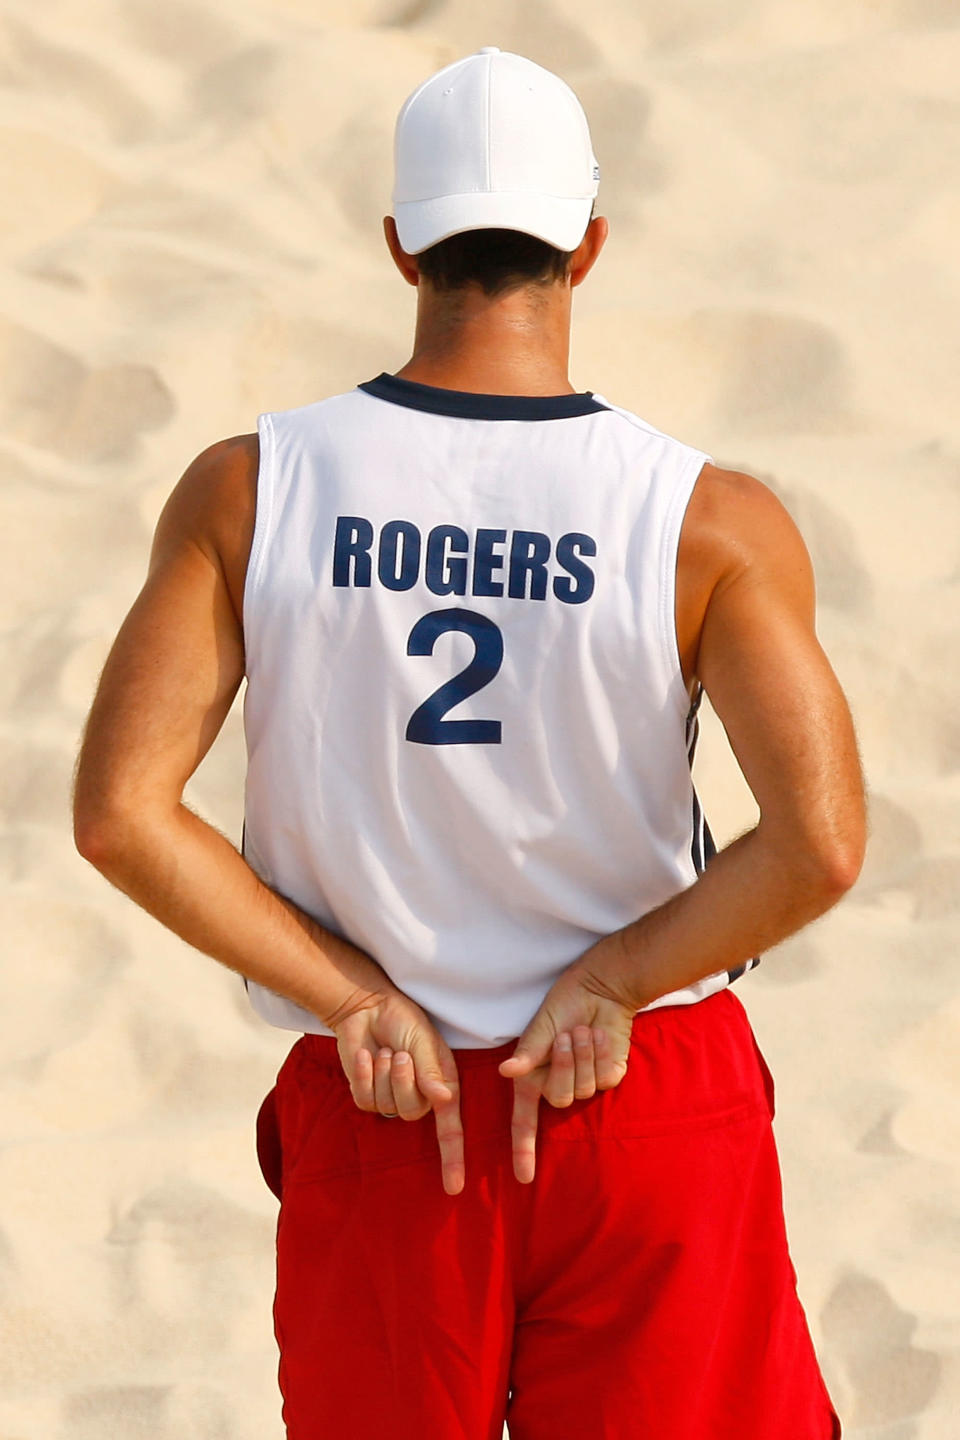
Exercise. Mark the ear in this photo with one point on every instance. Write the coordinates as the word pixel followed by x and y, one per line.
pixel 584 257
pixel 406 264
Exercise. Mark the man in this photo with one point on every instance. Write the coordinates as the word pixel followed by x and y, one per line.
pixel 476 611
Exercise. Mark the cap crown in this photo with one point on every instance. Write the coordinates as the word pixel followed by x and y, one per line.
pixel 497 123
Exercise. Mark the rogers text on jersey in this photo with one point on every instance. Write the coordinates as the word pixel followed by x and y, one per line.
pixel 521 564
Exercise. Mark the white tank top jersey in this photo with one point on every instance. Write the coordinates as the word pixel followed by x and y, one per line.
pixel 469 740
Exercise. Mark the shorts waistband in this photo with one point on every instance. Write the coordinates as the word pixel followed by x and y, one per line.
pixel 322 1049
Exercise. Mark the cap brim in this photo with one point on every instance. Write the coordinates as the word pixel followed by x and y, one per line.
pixel 559 220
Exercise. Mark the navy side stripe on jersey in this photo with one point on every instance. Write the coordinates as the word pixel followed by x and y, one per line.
pixel 703 847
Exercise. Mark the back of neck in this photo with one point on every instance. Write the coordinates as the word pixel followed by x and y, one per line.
pixel 512 344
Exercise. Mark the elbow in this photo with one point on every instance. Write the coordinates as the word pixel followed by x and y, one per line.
pixel 846 849
pixel 836 859
pixel 94 835
pixel 96 838
pixel 104 833
pixel 822 865
pixel 840 869
pixel 119 833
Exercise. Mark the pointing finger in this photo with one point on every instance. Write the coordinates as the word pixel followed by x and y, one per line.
pixel 450 1138
pixel 439 1083
pixel 523 1129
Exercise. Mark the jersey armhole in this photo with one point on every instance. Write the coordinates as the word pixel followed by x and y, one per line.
pixel 262 520
pixel 676 510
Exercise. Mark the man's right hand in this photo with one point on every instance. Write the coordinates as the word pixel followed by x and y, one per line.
pixel 398 1063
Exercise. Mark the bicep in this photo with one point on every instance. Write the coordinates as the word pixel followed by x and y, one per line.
pixel 170 677
pixel 774 689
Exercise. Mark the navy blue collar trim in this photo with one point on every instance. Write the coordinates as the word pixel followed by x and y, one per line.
pixel 468 406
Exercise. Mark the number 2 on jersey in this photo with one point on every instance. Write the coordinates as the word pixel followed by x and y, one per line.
pixel 426 725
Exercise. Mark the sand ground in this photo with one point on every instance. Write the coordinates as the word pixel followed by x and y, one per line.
pixel 190 234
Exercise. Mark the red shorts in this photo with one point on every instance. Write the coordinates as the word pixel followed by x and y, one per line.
pixel 640 1286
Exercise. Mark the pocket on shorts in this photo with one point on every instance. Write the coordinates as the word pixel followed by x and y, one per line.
pixel 268 1143
pixel 691 1067
pixel 737 1011
pixel 767 1077
pixel 310 1099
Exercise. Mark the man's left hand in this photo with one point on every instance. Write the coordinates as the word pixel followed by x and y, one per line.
pixel 398 1064
pixel 577 1043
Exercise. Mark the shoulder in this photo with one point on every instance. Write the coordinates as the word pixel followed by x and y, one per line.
pixel 218 487
pixel 735 523
pixel 213 507
pixel 739 550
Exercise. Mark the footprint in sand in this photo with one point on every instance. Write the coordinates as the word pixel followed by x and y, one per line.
pixel 50 187
pixel 894 849
pixel 186 1407
pixel 689 24
pixel 880 1139
pixel 235 89
pixel 177 1239
pixel 190 37
pixel 536 29
pixel 67 960
pixel 795 960
pixel 937 888
pixel 103 1412
pixel 56 401
pixel 917 14
pixel 633 168
pixel 83 85
pixel 53 541
pixel 869 1336
pixel 9 1275
pixel 35 783
pixel 843 580
pixel 777 372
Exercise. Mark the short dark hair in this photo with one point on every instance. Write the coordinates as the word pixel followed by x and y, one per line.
pixel 496 260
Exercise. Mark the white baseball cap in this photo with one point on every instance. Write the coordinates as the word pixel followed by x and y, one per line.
pixel 493 141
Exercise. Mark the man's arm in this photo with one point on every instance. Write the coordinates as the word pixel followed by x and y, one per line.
pixel 745 628
pixel 164 694
pixel 745 625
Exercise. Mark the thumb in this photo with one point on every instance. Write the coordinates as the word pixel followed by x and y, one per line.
pixel 430 1070
pixel 533 1049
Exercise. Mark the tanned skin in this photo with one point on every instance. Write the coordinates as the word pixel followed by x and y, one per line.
pixel 745 630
